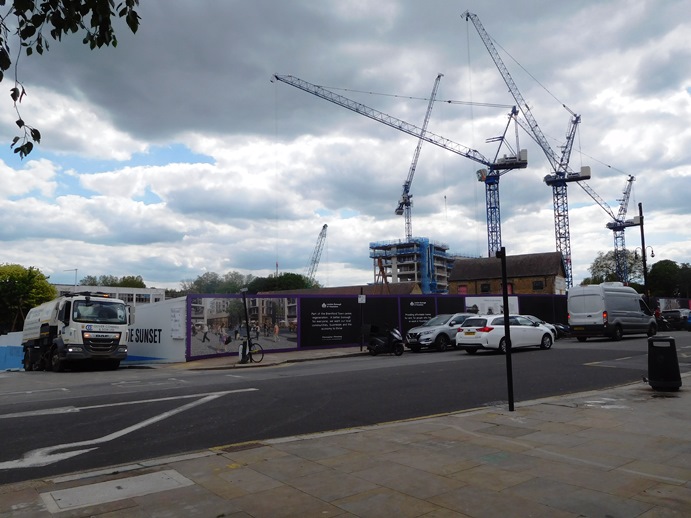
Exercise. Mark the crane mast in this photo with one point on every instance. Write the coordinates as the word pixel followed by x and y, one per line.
pixel 560 164
pixel 316 255
pixel 491 175
pixel 405 204
pixel 618 225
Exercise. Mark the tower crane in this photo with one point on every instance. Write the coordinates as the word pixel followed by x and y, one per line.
pixel 560 164
pixel 316 255
pixel 495 168
pixel 405 204
pixel 618 225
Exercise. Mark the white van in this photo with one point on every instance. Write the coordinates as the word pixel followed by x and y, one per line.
pixel 608 309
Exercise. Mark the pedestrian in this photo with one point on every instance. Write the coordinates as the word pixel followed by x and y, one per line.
pixel 256 331
pixel 276 332
pixel 237 331
pixel 205 329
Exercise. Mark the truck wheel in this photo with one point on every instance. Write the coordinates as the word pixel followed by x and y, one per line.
pixel 442 342
pixel 56 364
pixel 114 365
pixel 28 364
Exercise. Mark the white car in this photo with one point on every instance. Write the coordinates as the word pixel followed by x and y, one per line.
pixel 549 326
pixel 487 332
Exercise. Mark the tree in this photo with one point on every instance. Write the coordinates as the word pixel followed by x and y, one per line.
pixel 284 282
pixel 20 290
pixel 93 18
pixel 211 282
pixel 126 281
pixel 664 279
pixel 604 268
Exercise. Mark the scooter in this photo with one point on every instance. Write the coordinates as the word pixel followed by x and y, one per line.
pixel 390 341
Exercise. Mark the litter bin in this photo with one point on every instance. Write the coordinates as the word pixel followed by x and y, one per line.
pixel 663 364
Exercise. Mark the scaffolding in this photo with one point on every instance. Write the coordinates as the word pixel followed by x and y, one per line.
pixel 416 260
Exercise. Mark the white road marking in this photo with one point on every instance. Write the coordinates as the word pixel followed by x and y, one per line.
pixel 33 391
pixel 46 456
pixel 67 409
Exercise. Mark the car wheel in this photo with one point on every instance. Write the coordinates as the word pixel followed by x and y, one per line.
pixel 652 331
pixel 442 342
pixel 617 334
pixel 546 342
pixel 581 338
pixel 398 349
pixel 502 346
pixel 471 350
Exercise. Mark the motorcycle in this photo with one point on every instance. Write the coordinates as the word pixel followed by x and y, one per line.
pixel 388 341
pixel 662 323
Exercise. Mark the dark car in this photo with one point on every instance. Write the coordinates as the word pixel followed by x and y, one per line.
pixel 677 318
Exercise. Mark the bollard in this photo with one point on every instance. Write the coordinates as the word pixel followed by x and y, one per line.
pixel 663 364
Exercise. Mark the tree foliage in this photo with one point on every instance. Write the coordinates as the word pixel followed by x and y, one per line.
pixel 126 281
pixel 664 279
pixel 604 268
pixel 233 282
pixel 20 290
pixel 28 23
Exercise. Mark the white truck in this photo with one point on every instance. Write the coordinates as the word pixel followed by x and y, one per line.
pixel 76 327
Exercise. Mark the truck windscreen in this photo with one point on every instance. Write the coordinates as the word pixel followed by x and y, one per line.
pixel 103 312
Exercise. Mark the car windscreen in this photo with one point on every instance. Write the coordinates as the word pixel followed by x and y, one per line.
pixel 475 322
pixel 439 320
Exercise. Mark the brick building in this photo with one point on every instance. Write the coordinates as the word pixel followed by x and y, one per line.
pixel 539 274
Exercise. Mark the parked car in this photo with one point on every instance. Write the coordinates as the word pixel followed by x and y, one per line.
pixel 549 326
pixel 487 332
pixel 438 332
pixel 677 318
pixel 563 330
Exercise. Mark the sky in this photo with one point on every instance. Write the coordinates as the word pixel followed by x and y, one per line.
pixel 175 154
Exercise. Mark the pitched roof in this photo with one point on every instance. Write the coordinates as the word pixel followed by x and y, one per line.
pixel 526 265
pixel 395 288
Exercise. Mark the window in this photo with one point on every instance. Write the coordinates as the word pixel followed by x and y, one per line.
pixel 484 287
pixel 538 285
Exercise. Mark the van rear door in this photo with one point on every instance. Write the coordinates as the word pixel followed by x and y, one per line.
pixel 585 313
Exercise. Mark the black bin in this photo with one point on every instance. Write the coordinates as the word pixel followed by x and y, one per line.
pixel 663 364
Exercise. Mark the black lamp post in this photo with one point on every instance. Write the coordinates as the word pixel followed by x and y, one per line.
pixel 643 254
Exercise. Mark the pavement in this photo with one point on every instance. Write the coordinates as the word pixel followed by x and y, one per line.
pixel 619 452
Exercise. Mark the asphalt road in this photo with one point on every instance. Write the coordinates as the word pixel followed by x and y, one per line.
pixel 57 423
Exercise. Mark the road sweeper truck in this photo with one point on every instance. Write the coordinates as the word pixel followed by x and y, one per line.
pixel 76 327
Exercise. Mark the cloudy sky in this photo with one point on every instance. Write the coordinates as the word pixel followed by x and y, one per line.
pixel 175 154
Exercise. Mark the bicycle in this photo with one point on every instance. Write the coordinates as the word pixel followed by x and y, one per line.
pixel 255 353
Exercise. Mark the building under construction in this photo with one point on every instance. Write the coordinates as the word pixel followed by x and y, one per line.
pixel 414 260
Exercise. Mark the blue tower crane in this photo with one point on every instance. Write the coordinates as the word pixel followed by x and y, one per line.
pixel 560 164
pixel 495 168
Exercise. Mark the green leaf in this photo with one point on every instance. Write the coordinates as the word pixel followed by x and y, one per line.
pixel 36 135
pixel 14 141
pixel 20 123
pixel 30 51
pixel 14 93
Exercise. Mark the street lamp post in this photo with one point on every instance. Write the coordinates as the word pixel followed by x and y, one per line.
pixel 643 254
